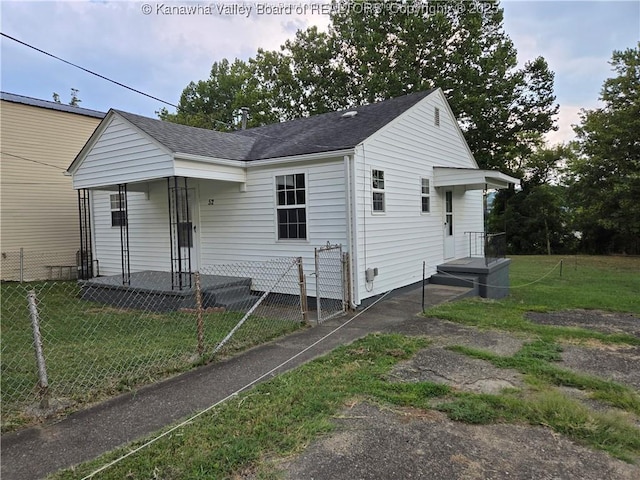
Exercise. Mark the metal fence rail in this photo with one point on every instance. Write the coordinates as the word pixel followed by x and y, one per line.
pixel 98 337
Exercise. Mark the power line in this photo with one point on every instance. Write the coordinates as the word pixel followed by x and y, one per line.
pixel 87 70
pixel 34 161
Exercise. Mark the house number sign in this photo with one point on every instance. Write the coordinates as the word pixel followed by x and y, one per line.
pixel 210 202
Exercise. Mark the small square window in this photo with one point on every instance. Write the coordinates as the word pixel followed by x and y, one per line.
pixel 118 210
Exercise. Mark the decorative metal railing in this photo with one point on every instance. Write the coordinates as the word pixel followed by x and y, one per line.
pixel 490 246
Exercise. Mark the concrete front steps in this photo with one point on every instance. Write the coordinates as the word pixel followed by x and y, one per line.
pixel 235 297
pixel 458 280
pixel 488 278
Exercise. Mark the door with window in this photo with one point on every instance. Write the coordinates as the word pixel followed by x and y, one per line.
pixel 449 228
pixel 188 234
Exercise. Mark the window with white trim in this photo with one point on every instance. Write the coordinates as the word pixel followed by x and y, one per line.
pixel 291 207
pixel 377 189
pixel 425 196
pixel 118 215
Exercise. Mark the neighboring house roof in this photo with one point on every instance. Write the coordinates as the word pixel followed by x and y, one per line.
pixel 320 133
pixel 61 107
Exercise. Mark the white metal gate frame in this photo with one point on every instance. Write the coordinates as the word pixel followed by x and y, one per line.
pixel 322 279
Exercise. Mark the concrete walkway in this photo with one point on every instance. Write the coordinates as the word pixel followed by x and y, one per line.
pixel 39 451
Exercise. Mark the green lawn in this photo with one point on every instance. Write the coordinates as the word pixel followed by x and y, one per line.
pixel 281 417
pixel 93 350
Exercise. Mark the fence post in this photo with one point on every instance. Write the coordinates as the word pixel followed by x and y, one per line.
pixel 303 291
pixel 21 264
pixel 199 315
pixel 318 296
pixel 43 381
pixel 424 267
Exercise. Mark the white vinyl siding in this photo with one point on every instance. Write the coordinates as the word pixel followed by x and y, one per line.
pixel 398 242
pixel 148 231
pixel 122 155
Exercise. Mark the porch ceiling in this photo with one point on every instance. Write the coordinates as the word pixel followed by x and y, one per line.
pixel 471 178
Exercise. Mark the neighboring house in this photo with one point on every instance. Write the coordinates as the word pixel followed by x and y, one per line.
pixel 393 182
pixel 39 207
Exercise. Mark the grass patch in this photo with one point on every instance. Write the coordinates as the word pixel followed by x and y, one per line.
pixel 534 360
pixel 280 418
pixel 93 350
pixel 604 283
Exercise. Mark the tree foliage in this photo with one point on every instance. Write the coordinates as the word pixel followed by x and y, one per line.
pixel 605 176
pixel 536 218
pixel 214 103
pixel 460 46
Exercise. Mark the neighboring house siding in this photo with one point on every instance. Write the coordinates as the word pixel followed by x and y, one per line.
pixel 39 208
pixel 399 240
pixel 122 155
pixel 148 231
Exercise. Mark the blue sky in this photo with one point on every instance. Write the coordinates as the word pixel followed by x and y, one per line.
pixel 160 54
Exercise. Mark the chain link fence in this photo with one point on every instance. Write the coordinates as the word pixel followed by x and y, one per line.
pixel 99 337
pixel 29 265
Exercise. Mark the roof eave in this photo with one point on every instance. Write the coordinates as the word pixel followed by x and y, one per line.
pixel 306 157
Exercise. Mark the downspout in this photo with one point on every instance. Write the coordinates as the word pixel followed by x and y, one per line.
pixel 352 227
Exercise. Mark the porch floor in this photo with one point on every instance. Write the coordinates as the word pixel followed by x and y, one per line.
pixel 160 282
pixel 152 290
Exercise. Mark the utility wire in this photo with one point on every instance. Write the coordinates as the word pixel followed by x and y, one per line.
pixel 87 70
pixel 34 161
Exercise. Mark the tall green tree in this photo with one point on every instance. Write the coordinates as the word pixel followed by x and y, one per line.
pixel 605 176
pixel 536 218
pixel 460 46
pixel 214 103
pixel 391 49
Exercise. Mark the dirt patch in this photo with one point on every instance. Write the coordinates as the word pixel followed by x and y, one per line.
pixel 443 332
pixel 374 442
pixel 439 365
pixel 605 322
pixel 389 442
pixel 620 365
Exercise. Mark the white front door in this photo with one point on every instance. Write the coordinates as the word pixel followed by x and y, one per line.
pixel 449 229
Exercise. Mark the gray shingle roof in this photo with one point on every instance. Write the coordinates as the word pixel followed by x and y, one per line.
pixel 61 107
pixel 320 133
pixel 195 141
pixel 327 132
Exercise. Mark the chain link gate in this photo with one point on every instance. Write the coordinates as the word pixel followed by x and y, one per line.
pixel 331 276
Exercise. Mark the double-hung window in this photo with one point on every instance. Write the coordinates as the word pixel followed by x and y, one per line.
pixel 118 213
pixel 377 189
pixel 426 193
pixel 291 206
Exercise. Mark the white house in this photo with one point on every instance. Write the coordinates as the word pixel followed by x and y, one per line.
pixel 394 182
